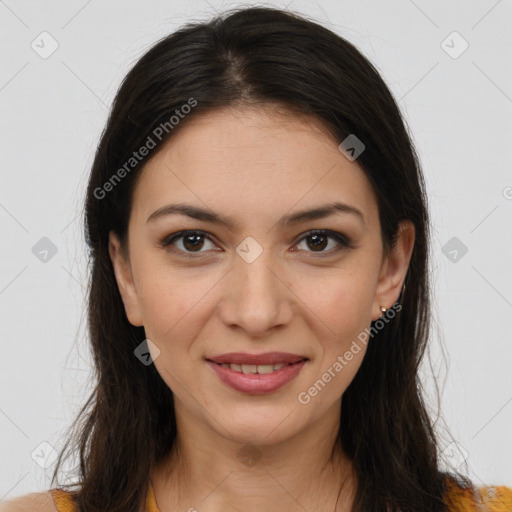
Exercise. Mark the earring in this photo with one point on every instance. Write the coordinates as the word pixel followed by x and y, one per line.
pixel 383 309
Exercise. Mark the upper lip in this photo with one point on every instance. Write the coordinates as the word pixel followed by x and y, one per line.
pixel 257 359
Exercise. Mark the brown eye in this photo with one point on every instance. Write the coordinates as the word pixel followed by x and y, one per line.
pixel 317 241
pixel 193 242
pixel 187 241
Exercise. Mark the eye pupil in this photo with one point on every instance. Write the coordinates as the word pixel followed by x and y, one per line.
pixel 195 244
pixel 319 241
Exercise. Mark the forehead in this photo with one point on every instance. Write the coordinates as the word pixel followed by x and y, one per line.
pixel 249 135
pixel 252 160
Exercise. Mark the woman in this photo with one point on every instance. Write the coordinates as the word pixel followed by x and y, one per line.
pixel 259 302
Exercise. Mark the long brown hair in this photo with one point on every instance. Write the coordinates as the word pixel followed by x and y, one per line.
pixel 256 56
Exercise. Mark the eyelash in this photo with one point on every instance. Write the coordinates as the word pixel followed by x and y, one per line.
pixel 345 242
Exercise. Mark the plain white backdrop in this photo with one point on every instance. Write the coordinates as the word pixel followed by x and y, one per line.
pixel 448 66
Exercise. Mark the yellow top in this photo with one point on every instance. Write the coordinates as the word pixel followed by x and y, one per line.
pixel 478 499
pixel 64 500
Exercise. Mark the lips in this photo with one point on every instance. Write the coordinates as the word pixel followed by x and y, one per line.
pixel 257 383
pixel 266 358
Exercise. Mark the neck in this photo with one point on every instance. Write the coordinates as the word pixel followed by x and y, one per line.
pixel 210 473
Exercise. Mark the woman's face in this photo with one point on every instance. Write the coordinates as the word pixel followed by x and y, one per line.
pixel 264 283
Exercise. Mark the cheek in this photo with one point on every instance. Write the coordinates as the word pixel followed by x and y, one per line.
pixel 340 300
pixel 160 306
pixel 170 322
pixel 342 314
pixel 172 301
pixel 347 315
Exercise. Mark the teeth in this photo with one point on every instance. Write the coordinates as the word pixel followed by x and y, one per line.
pixel 253 368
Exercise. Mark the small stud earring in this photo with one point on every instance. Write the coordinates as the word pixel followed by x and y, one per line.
pixel 383 309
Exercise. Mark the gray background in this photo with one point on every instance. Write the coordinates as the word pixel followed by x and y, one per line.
pixel 457 105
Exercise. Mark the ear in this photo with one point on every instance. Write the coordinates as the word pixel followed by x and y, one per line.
pixel 124 278
pixel 394 269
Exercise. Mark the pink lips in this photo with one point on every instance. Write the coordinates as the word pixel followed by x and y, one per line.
pixel 254 383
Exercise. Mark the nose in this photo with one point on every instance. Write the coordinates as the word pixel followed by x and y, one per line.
pixel 257 298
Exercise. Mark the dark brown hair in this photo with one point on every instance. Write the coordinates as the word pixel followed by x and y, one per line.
pixel 257 57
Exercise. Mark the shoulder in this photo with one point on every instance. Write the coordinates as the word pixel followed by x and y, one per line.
pixel 497 498
pixel 40 501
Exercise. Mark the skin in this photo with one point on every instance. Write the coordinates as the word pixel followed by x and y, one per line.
pixel 255 166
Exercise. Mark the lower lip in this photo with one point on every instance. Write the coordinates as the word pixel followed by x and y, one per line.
pixel 254 383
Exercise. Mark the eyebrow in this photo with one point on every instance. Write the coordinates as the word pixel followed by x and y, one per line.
pixel 319 212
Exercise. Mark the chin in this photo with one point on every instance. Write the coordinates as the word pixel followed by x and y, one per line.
pixel 256 427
